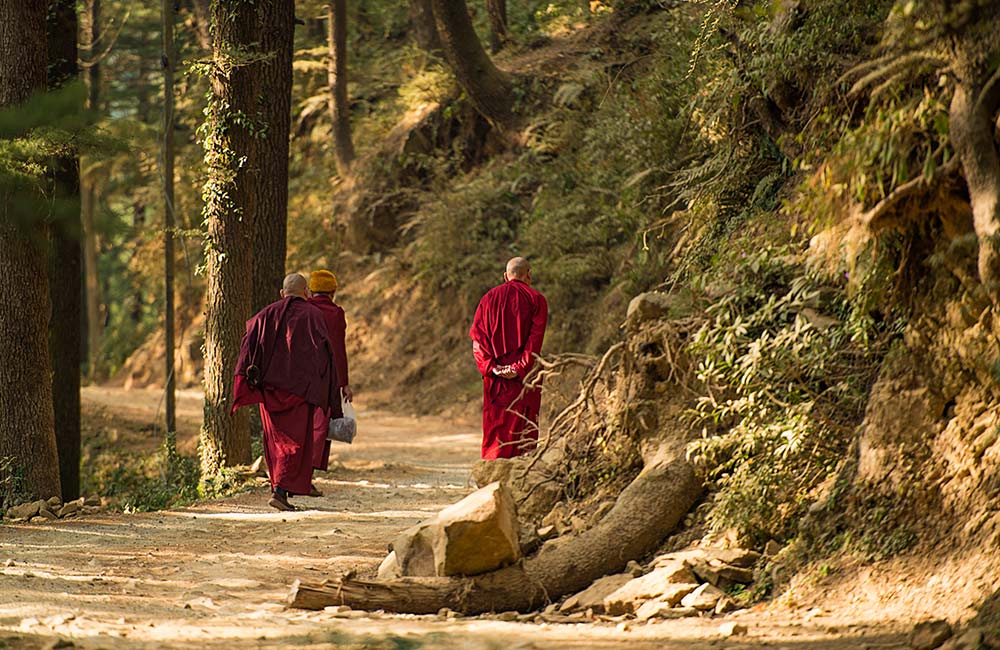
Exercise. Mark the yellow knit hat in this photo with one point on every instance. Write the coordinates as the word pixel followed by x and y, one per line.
pixel 322 281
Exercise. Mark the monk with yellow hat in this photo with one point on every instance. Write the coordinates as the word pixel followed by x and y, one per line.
pixel 323 285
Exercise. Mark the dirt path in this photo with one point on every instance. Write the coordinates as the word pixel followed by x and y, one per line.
pixel 216 575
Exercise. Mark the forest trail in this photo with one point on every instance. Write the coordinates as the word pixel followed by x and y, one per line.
pixel 216 575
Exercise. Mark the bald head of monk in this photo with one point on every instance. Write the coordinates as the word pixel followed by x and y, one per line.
pixel 518 269
pixel 294 285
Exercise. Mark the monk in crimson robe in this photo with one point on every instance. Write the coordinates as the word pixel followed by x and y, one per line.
pixel 507 335
pixel 286 365
pixel 323 285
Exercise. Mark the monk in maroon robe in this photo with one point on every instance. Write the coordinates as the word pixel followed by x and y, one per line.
pixel 323 286
pixel 286 365
pixel 507 335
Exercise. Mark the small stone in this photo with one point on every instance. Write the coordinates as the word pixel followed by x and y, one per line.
pixel 24 510
pixel 507 616
pixel 662 610
pixel 92 500
pixel 47 513
pixel 703 598
pixel 389 569
pixel 971 639
pixel 738 557
pixel 70 508
pixel 9 562
pixel 546 533
pixel 732 628
pixel 624 626
pixel 37 519
pixel 257 468
pixel 634 569
pixel 54 502
pixel 593 596
pixel 772 548
pixel 928 635
pixel 724 605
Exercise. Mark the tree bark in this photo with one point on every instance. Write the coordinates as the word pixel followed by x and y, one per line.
pixel 269 164
pixel 89 33
pixel 65 264
pixel 27 439
pixel 489 89
pixel 499 36
pixel 337 74
pixel 167 58
pixel 423 28
pixel 645 512
pixel 225 436
pixel 972 119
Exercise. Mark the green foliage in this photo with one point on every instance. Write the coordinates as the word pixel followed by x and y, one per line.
pixel 142 483
pixel 785 380
pixel 11 483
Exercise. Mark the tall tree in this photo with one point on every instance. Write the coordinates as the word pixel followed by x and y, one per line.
pixel 423 28
pixel 90 33
pixel 27 439
pixel 272 74
pixel 229 142
pixel 499 36
pixel 339 107
pixel 489 89
pixel 65 263
pixel 167 59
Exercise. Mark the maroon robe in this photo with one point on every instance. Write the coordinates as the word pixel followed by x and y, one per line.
pixel 286 366
pixel 336 327
pixel 508 330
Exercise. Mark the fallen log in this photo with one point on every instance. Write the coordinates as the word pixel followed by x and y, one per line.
pixel 645 512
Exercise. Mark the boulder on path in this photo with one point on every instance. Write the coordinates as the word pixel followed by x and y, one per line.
pixel 668 583
pixel 475 535
pixel 414 549
pixel 593 596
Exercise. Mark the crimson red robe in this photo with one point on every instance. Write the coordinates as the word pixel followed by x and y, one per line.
pixel 336 327
pixel 508 330
pixel 286 365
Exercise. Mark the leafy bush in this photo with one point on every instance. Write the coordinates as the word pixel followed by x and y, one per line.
pixel 785 372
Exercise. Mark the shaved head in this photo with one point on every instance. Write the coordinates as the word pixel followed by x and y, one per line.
pixel 294 285
pixel 518 269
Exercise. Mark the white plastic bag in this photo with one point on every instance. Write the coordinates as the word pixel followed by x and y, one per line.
pixel 344 429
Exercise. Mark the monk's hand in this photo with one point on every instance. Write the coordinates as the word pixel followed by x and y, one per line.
pixel 348 394
pixel 505 371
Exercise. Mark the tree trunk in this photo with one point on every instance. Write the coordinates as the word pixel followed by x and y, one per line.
pixel 225 437
pixel 65 264
pixel 972 119
pixel 337 75
pixel 490 90
pixel 499 36
pixel 269 165
pixel 167 58
pixel 27 438
pixel 645 512
pixel 423 28
pixel 89 34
